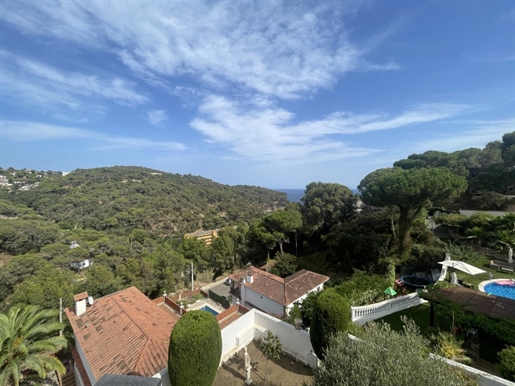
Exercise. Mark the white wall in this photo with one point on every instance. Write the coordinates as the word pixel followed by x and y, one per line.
pixel 85 362
pixel 294 342
pixel 484 379
pixel 261 301
pixel 236 335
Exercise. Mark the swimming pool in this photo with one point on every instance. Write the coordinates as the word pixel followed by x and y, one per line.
pixel 504 288
pixel 210 310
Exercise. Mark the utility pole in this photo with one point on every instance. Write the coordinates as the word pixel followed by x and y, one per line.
pixel 192 284
pixel 61 315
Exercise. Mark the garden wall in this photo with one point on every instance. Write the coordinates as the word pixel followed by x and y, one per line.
pixel 254 324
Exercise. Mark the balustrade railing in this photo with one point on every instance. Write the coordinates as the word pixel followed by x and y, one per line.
pixel 378 310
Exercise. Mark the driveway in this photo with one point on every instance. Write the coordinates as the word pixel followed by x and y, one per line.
pixel 221 290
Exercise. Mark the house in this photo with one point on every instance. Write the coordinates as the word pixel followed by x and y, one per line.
pixel 206 236
pixel 124 333
pixel 273 294
pixel 81 264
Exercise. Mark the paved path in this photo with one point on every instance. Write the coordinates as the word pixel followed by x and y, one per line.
pixel 207 287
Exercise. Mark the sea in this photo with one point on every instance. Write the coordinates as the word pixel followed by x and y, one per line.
pixel 294 195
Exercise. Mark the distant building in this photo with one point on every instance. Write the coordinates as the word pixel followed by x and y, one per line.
pixel 206 236
pixel 81 264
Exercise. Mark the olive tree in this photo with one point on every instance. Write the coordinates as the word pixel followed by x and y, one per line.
pixel 383 357
pixel 410 191
pixel 195 350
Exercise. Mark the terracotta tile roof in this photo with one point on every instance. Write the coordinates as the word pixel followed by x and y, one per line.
pixel 81 296
pixel 124 333
pixel 302 282
pixel 230 315
pixel 283 291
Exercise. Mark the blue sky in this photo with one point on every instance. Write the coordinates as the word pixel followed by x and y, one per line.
pixel 268 93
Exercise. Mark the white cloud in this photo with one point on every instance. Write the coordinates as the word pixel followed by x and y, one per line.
pixel 30 82
pixel 279 48
pixel 31 131
pixel 271 134
pixel 467 134
pixel 157 116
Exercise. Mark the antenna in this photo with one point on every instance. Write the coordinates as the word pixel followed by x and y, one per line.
pixel 90 300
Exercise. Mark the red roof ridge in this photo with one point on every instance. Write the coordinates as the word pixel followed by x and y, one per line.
pixel 81 296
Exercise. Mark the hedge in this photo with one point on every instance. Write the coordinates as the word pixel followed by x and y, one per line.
pixel 195 350
pixel 331 314
pixel 219 299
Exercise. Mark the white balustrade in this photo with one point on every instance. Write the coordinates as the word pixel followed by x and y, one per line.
pixel 363 314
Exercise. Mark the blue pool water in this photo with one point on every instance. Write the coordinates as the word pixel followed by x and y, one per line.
pixel 210 310
pixel 505 290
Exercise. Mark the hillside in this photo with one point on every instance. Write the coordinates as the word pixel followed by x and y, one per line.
pixel 119 199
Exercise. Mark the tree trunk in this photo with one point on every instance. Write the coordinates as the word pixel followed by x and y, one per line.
pixel 281 247
pixel 405 225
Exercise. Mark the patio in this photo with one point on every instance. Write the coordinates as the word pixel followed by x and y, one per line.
pixel 285 372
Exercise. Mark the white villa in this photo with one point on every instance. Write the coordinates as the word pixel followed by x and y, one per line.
pixel 272 294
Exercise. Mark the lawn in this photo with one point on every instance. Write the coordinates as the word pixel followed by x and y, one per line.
pixel 484 264
pixel 420 314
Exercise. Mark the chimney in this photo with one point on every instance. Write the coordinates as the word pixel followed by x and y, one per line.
pixel 80 303
pixel 250 278
pixel 242 280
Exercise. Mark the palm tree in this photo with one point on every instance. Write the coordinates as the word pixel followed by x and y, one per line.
pixel 29 337
pixel 505 238
pixel 477 234
pixel 450 347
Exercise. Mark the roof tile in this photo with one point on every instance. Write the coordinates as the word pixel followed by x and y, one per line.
pixel 117 336
pixel 283 291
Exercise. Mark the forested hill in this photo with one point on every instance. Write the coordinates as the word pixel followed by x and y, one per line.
pixel 119 199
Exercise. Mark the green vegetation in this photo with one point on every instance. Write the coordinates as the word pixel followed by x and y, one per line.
pixel 195 350
pixel 507 363
pixel 121 199
pixel 271 348
pixel 383 357
pixel 29 337
pixel 410 191
pixel 285 265
pixel 362 289
pixel 330 315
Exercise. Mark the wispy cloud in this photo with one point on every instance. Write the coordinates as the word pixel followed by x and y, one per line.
pixel 30 82
pixel 156 116
pixel 465 134
pixel 278 48
pixel 31 131
pixel 271 134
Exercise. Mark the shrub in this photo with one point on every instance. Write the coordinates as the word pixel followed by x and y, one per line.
pixel 307 306
pixel 195 350
pixel 382 357
pixel 330 315
pixel 506 363
pixel 363 289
